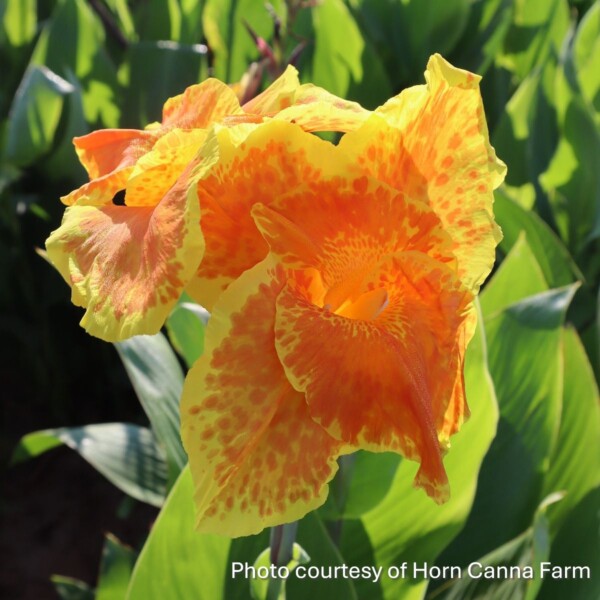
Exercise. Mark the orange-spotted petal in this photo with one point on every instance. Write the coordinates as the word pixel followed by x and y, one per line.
pixel 256 456
pixel 201 105
pixel 344 225
pixel 380 375
pixel 262 165
pixel 309 106
pixel 128 265
pixel 432 143
pixel 102 152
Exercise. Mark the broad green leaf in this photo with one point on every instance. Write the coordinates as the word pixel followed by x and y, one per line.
pixel 361 486
pixel 335 62
pixel 122 11
pixel 18 21
pixel 158 20
pixel 407 526
pixel 407 32
pixel 572 180
pixel 525 360
pixel 489 21
pixel 68 588
pixel 586 55
pixel 157 380
pixel 526 552
pixel 191 22
pixel 233 47
pixel 72 41
pixel 575 553
pixel 115 569
pixel 519 276
pixel 166 68
pixel 575 463
pixel 185 326
pixel 177 563
pixel 537 32
pixel 526 136
pixel 35 114
pixel 314 539
pixel 127 455
pixel 554 259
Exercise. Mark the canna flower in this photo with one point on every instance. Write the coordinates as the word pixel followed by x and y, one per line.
pixel 341 280
pixel 130 239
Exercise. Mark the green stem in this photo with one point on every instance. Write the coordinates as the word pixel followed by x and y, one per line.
pixel 340 487
pixel 282 548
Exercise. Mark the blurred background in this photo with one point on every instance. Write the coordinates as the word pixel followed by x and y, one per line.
pixel 72 66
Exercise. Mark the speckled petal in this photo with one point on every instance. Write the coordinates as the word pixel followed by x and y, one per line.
pixel 378 375
pixel 128 265
pixel 431 142
pixel 256 456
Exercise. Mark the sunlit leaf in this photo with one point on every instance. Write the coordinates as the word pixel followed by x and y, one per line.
pixel 127 455
pixel 519 276
pixel 35 114
pixel 115 569
pixel 157 380
pixel 185 326
pixel 575 462
pixel 68 588
pixel 554 259
pixel 525 360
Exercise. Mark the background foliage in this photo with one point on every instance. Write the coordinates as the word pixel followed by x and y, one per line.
pixel 71 66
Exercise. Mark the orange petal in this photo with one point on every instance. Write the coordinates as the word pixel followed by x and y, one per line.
pixel 128 265
pixel 256 457
pixel 432 143
pixel 102 152
pixel 345 225
pixel 200 106
pixel 263 165
pixel 384 379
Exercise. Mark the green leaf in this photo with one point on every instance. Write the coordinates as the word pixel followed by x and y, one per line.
pixel 407 526
pixel 259 587
pixel 586 55
pixel 489 21
pixel 537 32
pixel 155 71
pixel 575 463
pixel 177 563
pixel 68 588
pixel 526 366
pixel 554 259
pixel 519 276
pixel 127 455
pixel 526 552
pixel 338 46
pixel 158 20
pixel 72 42
pixel 157 380
pixel 19 21
pixel 576 545
pixel 313 537
pixel 366 482
pixel 115 569
pixel 185 327
pixel 233 48
pixel 35 114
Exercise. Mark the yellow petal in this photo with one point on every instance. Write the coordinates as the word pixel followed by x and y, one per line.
pixel 256 456
pixel 431 142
